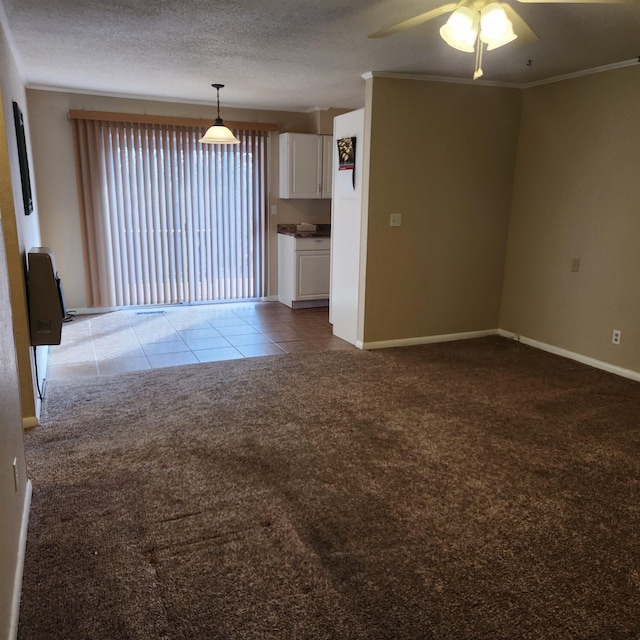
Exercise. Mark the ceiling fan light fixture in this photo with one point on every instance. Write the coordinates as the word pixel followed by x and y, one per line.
pixel 218 133
pixel 461 29
pixel 496 29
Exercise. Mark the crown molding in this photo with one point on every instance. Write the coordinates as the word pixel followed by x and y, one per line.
pixel 585 72
pixel 446 79
pixel 148 98
pixel 509 85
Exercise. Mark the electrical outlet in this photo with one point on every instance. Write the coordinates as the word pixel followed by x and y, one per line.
pixel 395 220
pixel 16 478
pixel 575 264
pixel 617 336
pixel 274 209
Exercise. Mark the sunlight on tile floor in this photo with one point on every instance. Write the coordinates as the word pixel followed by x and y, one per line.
pixel 148 338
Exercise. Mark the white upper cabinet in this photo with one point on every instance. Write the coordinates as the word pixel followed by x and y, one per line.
pixel 305 165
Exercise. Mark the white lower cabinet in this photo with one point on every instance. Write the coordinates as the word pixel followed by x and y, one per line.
pixel 303 271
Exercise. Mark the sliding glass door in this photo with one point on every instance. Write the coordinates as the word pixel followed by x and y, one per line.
pixel 169 220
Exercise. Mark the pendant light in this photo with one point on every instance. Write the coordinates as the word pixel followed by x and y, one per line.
pixel 217 133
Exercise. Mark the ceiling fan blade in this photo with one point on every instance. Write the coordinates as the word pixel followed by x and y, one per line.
pixel 525 33
pixel 415 21
pixel 579 1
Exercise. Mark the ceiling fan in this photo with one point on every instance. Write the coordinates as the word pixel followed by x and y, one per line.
pixel 474 24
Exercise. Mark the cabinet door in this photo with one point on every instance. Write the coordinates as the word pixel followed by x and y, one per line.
pixel 313 274
pixel 286 269
pixel 327 166
pixel 300 165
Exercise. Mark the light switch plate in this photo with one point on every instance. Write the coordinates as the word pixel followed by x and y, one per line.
pixel 395 220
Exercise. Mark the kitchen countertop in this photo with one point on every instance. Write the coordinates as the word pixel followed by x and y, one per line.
pixel 322 231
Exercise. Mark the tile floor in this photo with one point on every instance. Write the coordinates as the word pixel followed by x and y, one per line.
pixel 147 338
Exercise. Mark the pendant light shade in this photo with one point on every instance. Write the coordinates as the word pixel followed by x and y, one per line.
pixel 218 133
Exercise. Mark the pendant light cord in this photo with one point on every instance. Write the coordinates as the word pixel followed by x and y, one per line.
pixel 217 87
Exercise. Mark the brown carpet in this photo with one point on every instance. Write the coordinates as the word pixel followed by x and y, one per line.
pixel 477 489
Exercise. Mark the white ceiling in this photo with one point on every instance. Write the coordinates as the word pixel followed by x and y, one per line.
pixel 289 54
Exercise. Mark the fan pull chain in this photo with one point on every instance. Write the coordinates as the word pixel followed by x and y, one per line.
pixel 478 71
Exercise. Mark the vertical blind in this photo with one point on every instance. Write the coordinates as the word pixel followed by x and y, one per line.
pixel 167 219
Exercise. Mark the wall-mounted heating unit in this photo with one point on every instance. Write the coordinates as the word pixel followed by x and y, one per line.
pixel 45 297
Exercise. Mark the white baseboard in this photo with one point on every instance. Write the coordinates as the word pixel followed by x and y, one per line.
pixel 408 342
pixel 17 582
pixel 592 362
pixel 30 422
pixel 448 337
pixel 93 310
pixel 308 304
pixel 82 311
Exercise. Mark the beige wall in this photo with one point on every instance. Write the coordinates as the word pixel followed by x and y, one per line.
pixel 21 232
pixel 54 168
pixel 12 501
pixel 576 195
pixel 443 156
pixel 15 232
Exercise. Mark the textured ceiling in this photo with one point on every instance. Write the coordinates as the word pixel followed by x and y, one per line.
pixel 289 54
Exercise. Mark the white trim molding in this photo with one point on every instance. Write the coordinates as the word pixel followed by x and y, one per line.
pixel 429 78
pixel 592 362
pixel 17 581
pixel 30 422
pixel 408 342
pixel 449 337
pixel 88 311
pixel 586 72
pixel 490 83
